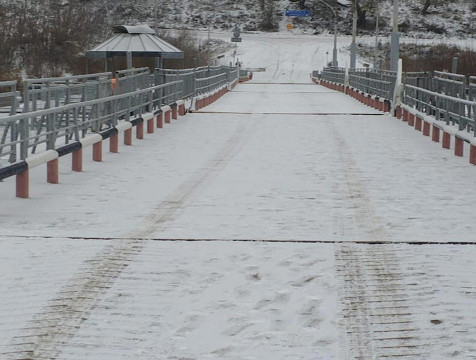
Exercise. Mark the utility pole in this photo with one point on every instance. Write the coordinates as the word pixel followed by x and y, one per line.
pixel 334 52
pixel 353 46
pixel 158 60
pixel 377 16
pixel 155 16
pixel 395 40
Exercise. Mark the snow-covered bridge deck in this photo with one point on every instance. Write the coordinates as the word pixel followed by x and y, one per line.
pixel 85 274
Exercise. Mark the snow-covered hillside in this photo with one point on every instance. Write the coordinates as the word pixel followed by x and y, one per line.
pixel 453 19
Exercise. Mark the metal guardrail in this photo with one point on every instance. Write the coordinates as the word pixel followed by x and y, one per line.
pixel 45 93
pixel 472 88
pixel 449 84
pixel 233 75
pixel 64 117
pixel 420 79
pixel 450 109
pixel 163 76
pixel 243 73
pixel 8 98
pixel 374 82
pixel 131 80
pixel 332 74
pixel 24 134
pixel 194 79
pixel 447 97
pixel 206 85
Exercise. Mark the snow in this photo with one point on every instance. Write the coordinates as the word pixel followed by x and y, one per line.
pixel 276 223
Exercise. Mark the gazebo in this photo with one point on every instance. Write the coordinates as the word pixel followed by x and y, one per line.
pixel 140 41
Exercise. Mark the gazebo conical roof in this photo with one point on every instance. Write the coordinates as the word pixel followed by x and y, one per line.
pixel 139 40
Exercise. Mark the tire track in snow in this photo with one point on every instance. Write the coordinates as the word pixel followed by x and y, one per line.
pixel 59 321
pixel 376 320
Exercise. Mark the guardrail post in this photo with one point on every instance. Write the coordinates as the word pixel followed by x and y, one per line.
pixel 174 112
pixel 446 142
pixel 167 116
pixel 459 146
pixel 397 91
pixel 77 160
pixel 418 123
pixel 26 97
pixel 182 109
pixel 160 121
pixel 150 126
pixel 405 115
pixel 398 112
pixel 140 130
pixel 472 154
pixel 22 185
pixel 114 143
pixel 97 151
pixel 128 137
pixel 426 128
pixel 23 125
pixel 194 79
pixel 435 135
pixel 346 78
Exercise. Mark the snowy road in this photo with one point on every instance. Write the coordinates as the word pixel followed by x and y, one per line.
pixel 287 186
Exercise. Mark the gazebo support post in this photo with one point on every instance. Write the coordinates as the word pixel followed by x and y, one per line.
pixel 129 60
pixel 158 62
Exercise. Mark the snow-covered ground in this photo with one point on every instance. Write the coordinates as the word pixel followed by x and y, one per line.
pixel 286 56
pixel 280 222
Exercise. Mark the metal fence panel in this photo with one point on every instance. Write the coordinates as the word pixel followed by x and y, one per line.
pixel 449 109
pixel 28 133
pixel 46 93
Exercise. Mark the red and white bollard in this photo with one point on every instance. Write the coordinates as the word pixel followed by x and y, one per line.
pixel 411 119
pixel 160 121
pixel 426 128
pixel 418 123
pixel 398 112
pixel 435 134
pixel 446 142
pixel 472 154
pixel 114 143
pixel 459 146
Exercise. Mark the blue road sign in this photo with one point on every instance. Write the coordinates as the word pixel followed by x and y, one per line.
pixel 298 13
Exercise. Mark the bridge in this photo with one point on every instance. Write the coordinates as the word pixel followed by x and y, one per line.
pixel 213 214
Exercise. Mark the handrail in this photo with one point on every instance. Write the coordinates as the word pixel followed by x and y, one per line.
pixel 23 134
pixel 9 96
pixel 443 96
pixel 26 132
pixel 452 110
pixel 446 96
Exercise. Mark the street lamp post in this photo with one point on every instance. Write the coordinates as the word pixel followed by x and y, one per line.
pixel 158 59
pixel 353 46
pixel 334 52
pixel 394 40
pixel 377 14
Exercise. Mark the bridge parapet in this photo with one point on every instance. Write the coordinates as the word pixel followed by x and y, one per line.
pixel 431 102
pixel 64 129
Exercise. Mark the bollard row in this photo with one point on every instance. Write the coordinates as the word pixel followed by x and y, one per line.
pixel 426 124
pixel 204 100
pixel 150 121
pixel 373 101
pixel 437 130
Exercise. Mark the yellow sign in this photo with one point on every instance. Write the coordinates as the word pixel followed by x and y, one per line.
pixel 289 26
